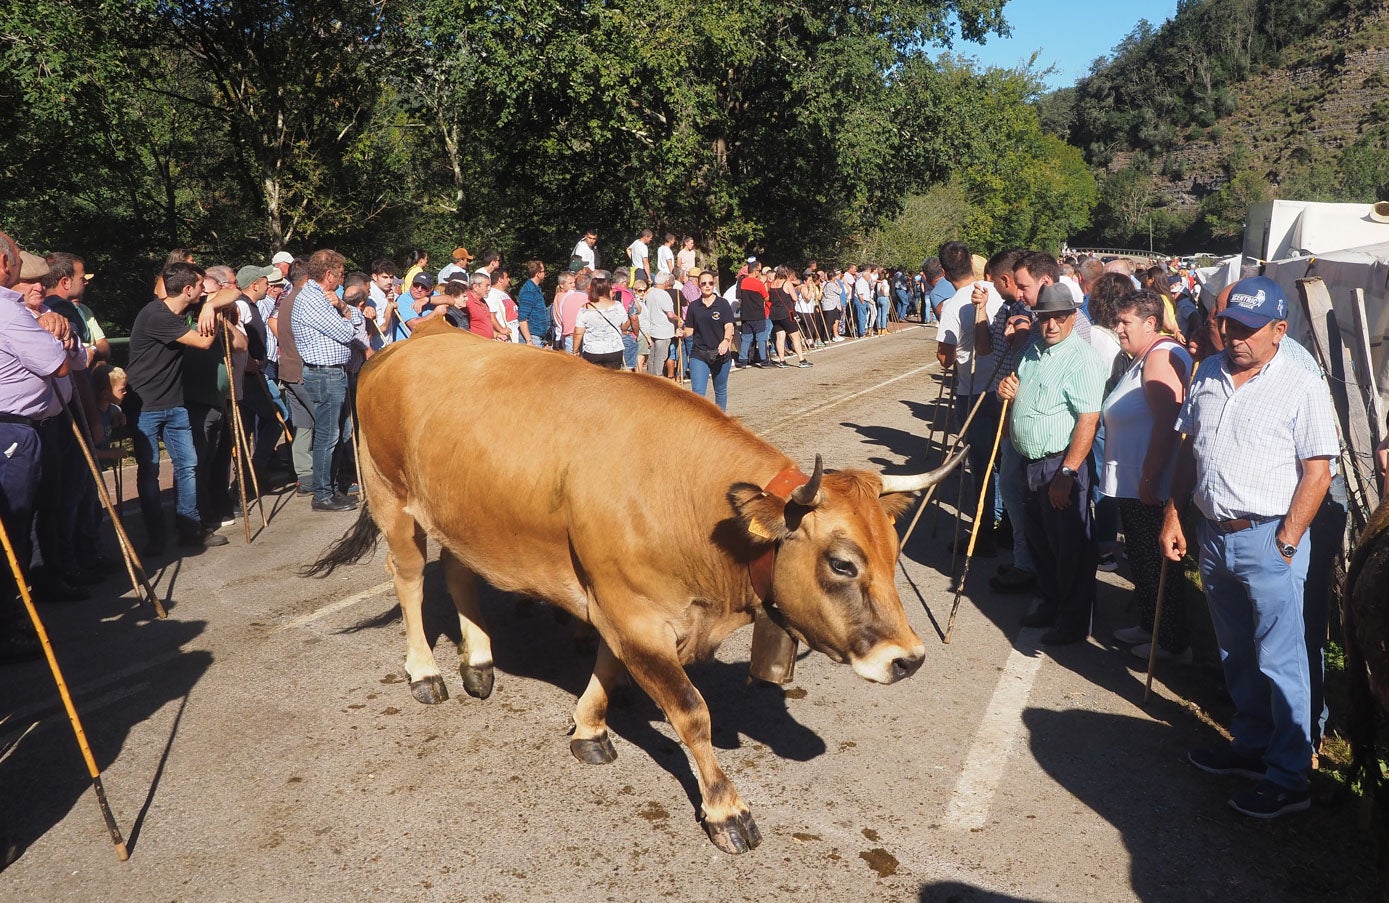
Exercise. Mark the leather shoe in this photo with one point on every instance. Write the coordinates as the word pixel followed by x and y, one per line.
pixel 205 539
pixel 1058 637
pixel 1038 618
pixel 335 503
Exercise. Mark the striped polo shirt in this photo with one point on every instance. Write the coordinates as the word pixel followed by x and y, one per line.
pixel 1057 383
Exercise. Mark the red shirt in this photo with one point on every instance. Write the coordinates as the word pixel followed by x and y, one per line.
pixel 479 316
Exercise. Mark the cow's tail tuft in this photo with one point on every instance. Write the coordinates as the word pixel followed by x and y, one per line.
pixel 352 547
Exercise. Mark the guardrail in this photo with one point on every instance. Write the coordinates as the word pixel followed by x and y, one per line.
pixel 1122 252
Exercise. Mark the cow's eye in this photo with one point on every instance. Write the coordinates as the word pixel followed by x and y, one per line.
pixel 843 567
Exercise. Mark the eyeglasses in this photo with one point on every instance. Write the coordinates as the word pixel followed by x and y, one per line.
pixel 704 282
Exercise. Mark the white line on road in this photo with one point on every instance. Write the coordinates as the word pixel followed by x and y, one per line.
pixel 337 606
pixel 988 756
pixel 831 403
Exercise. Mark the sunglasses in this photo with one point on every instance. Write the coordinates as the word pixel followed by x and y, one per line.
pixel 703 282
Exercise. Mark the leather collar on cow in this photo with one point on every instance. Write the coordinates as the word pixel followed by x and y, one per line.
pixel 760 568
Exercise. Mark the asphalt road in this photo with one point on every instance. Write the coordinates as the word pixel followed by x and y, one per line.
pixel 261 744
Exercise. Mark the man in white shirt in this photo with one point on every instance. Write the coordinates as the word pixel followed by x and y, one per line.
pixel 638 252
pixel 587 249
pixel 974 369
pixel 665 255
pixel 658 322
pixel 499 302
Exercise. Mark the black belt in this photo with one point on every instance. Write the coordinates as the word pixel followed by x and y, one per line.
pixel 326 366
pixel 22 421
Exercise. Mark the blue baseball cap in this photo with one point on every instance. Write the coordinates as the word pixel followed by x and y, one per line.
pixel 1256 302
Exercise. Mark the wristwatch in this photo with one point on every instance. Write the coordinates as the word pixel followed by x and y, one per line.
pixel 1067 471
pixel 1286 549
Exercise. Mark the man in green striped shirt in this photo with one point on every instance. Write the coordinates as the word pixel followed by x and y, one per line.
pixel 1054 411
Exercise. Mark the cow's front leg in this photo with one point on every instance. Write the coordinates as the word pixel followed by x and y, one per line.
pixel 591 744
pixel 726 817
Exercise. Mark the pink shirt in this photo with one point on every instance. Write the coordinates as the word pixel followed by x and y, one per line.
pixel 569 306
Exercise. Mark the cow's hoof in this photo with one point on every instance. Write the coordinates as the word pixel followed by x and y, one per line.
pixel 734 835
pixel 597 751
pixel 429 690
pixel 477 681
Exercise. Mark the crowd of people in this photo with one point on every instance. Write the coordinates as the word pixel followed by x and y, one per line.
pixel 1084 372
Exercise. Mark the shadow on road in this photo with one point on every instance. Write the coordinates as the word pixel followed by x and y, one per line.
pixel 531 639
pixel 43 775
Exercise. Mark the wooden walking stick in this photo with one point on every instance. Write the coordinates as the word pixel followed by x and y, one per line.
pixel 356 457
pixel 974 533
pixel 134 569
pixel 1157 619
pixel 236 445
pixel 1162 570
pixel 947 377
pixel 121 852
pixel 247 461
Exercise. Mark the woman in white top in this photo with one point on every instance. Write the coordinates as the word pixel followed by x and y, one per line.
pixel 598 329
pixel 1139 457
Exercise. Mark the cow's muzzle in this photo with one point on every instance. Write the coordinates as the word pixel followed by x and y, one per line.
pixel 890 663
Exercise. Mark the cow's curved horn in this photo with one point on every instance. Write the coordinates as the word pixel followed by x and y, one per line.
pixel 912 482
pixel 809 494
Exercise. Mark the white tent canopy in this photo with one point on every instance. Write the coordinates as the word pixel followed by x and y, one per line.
pixel 1343 271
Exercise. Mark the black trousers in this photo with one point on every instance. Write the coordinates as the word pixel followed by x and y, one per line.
pixel 1062 543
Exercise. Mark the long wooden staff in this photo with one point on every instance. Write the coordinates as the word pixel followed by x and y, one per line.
pixel 236 434
pixel 974 532
pixel 1162 568
pixel 121 852
pixel 133 567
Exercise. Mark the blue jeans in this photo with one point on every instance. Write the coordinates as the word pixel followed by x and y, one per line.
pixel 326 388
pixel 629 351
pixel 861 309
pixel 699 380
pixel 883 304
pixel 761 330
pixel 1106 508
pixel 1255 601
pixel 904 303
pixel 981 443
pixel 1010 481
pixel 176 430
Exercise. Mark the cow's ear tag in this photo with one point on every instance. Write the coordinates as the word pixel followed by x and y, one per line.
pixel 761 515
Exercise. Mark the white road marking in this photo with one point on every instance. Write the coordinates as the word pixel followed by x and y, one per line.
pixel 32 710
pixel 337 606
pixel 850 397
pixel 987 759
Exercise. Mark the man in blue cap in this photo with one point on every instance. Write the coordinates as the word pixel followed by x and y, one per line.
pixel 1257 466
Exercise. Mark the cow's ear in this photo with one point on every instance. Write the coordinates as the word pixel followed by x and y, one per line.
pixel 895 503
pixel 761 515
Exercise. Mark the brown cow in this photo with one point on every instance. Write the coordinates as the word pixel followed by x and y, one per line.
pixel 521 465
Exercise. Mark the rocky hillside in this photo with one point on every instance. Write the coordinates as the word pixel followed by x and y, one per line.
pixel 1185 132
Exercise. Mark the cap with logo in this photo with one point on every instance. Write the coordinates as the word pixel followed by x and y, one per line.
pixel 1256 302
pixel 423 279
pixel 247 275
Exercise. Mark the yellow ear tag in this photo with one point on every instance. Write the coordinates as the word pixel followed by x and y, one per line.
pixel 756 530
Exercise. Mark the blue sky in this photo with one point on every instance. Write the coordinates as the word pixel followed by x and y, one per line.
pixel 1069 35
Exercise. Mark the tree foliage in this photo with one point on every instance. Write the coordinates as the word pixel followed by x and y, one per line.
pixel 238 127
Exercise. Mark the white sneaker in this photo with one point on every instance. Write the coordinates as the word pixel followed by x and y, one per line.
pixel 1133 636
pixel 839 338
pixel 1180 658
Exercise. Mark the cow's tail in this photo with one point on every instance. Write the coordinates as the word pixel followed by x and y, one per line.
pixel 353 546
